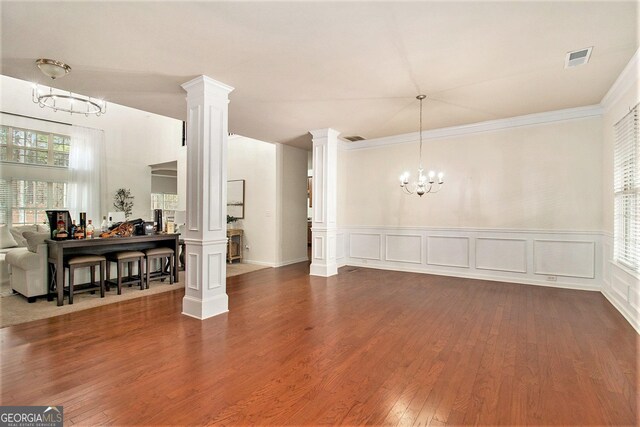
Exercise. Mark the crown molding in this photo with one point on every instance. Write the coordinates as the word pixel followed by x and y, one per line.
pixel 488 126
pixel 627 78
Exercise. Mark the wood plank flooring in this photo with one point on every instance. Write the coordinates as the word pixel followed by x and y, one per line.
pixel 364 347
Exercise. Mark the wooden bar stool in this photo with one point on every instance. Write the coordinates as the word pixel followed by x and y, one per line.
pixel 83 261
pixel 162 254
pixel 122 258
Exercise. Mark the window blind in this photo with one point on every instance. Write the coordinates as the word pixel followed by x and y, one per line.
pixel 627 191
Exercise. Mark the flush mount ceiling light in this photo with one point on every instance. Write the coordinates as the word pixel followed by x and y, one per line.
pixel 425 183
pixel 53 68
pixel 63 101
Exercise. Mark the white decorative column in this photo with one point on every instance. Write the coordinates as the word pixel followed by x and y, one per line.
pixel 206 222
pixel 325 189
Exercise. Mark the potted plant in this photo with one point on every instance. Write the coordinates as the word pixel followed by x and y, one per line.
pixel 231 220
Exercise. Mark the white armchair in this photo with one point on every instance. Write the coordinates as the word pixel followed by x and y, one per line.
pixel 28 271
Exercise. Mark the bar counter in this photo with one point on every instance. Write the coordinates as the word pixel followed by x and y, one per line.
pixel 59 250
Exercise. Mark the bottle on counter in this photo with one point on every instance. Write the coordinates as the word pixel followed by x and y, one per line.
pixel 74 228
pixel 90 230
pixel 109 223
pixel 82 225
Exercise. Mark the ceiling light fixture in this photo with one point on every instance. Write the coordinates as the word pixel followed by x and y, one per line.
pixel 425 183
pixel 63 101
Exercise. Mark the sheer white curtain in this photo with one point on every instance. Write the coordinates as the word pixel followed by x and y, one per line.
pixel 86 173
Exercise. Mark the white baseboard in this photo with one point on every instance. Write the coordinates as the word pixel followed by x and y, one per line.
pixel 293 261
pixel 262 263
pixel 523 281
pixel 632 318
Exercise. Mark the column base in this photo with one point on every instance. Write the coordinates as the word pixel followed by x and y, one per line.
pixel 323 270
pixel 203 309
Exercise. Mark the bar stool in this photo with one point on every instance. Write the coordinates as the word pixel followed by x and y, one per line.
pixel 122 258
pixel 162 254
pixel 83 261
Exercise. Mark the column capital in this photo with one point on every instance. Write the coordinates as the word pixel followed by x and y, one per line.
pixel 208 84
pixel 324 133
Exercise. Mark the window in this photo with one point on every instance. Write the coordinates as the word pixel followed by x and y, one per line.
pixel 627 191
pixel 167 202
pixel 25 201
pixel 34 147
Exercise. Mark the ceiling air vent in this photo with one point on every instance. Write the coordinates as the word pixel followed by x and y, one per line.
pixel 354 138
pixel 577 57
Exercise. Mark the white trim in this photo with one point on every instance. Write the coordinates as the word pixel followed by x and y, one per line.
pixel 262 263
pixel 487 126
pixel 489 277
pixel 625 80
pixel 625 269
pixel 622 309
pixel 469 253
pixel 293 261
pixel 470 230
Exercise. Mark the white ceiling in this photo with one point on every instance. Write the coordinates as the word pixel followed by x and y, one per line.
pixel 356 67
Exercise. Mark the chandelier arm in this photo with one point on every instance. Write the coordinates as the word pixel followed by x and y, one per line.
pixel 439 187
pixel 406 189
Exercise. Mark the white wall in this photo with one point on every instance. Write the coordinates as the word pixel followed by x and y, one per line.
pixel 164 184
pixel 620 286
pixel 292 202
pixel 255 162
pixel 134 139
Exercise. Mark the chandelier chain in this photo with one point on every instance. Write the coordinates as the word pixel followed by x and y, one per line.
pixel 421 99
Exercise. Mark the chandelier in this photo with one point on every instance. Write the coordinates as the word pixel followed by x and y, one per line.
pixel 63 101
pixel 425 183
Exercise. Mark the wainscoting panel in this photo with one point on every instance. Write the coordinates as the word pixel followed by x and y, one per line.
pixel 620 286
pixel 404 248
pixel 193 282
pixel 318 247
pixel 340 246
pixel 215 272
pixel 501 254
pixel 448 251
pixel 564 258
pixel 364 246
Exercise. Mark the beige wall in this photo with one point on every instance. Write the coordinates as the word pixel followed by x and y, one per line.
pixel 255 162
pixel 292 197
pixel 540 177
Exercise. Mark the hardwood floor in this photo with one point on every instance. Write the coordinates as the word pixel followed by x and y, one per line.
pixel 364 347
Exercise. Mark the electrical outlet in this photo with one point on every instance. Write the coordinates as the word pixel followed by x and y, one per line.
pixel 552 278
